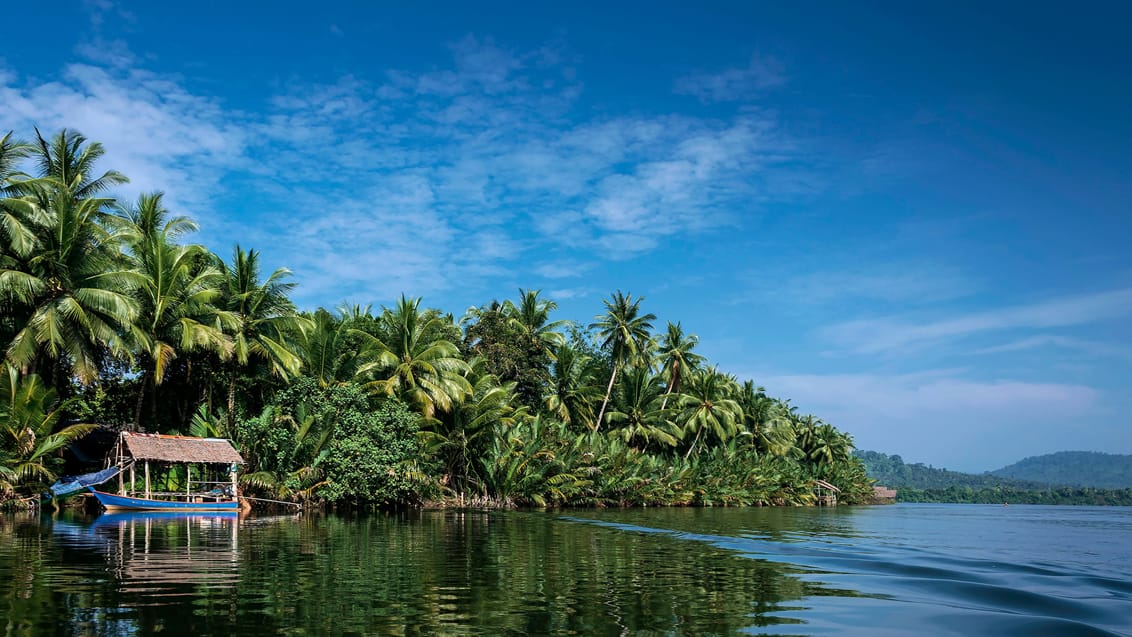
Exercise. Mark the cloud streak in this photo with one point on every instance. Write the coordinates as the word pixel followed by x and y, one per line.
pixel 733 84
pixel 982 425
pixel 872 336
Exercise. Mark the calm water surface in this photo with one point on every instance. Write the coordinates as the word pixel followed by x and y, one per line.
pixel 919 569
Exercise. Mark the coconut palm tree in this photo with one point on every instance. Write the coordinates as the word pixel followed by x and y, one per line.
pixel 15 233
pixel 458 438
pixel 331 352
pixel 706 406
pixel 636 413
pixel 28 440
pixel 412 357
pixel 68 291
pixel 625 333
pixel 573 387
pixel 767 419
pixel 69 159
pixel 265 326
pixel 532 318
pixel 176 293
pixel 677 358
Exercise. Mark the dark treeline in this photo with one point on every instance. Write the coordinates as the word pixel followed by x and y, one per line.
pixel 1015 495
pixel 111 317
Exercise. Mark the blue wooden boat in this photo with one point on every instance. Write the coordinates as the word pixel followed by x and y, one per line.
pixel 113 502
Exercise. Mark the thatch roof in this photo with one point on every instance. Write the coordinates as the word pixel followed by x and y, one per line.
pixel 182 449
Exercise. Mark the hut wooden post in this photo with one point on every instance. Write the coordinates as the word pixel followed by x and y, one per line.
pixel 188 479
pixel 147 494
pixel 121 478
pixel 235 487
pixel 133 485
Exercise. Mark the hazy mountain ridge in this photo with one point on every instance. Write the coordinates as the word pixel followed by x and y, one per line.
pixel 1064 468
pixel 892 471
pixel 1073 468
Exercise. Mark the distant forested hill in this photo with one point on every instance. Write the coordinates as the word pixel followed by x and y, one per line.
pixel 891 471
pixel 1072 468
pixel 922 483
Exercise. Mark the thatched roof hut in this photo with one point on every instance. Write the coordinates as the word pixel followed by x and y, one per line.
pixel 180 449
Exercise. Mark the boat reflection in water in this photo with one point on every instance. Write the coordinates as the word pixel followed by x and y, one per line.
pixel 166 554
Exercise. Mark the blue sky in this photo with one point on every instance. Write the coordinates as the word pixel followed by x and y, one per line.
pixel 913 221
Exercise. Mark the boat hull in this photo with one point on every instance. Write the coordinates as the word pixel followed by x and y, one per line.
pixel 113 502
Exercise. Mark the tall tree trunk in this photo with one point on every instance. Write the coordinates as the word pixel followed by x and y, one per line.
pixel 232 400
pixel 671 384
pixel 604 403
pixel 693 447
pixel 141 401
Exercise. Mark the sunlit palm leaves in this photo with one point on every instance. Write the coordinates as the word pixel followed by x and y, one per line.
pixel 68 291
pixel 176 291
pixel 412 358
pixel 625 334
pixel 706 407
pixel 637 415
pixel 677 358
pixel 28 439
pixel 531 316
pixel 265 326
pixel 573 388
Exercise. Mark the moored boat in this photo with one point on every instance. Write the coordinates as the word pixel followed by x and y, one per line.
pixel 112 502
pixel 170 461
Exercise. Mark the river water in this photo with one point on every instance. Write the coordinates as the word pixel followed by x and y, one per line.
pixel 892 570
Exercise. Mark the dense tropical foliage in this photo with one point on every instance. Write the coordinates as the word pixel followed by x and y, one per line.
pixel 109 314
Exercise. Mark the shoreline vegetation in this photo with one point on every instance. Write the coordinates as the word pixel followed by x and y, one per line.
pixel 111 319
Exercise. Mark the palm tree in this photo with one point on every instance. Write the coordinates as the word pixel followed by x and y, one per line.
pixel 532 318
pixel 295 472
pixel 265 325
pixel 68 291
pixel 69 160
pixel 15 233
pixel 413 358
pixel 176 293
pixel 331 351
pixel 767 419
pixel 28 440
pixel 677 358
pixel 637 410
pixel 572 387
pixel 458 438
pixel 625 333
pixel 706 405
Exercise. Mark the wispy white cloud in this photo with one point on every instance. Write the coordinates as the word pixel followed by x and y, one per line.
pixel 562 269
pixel 733 84
pixel 945 417
pixel 153 129
pixel 895 333
pixel 1043 341
pixel 833 283
pixel 495 140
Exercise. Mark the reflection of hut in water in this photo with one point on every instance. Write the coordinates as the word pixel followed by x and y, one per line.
pixel 827 493
pixel 154 551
